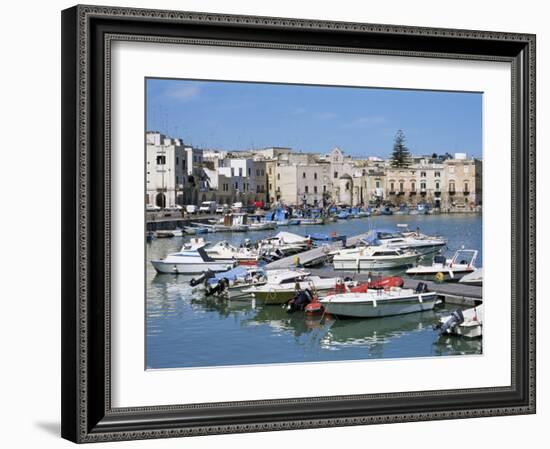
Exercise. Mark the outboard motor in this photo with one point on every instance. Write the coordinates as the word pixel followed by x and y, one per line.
pixel 202 278
pixel 422 287
pixel 457 318
pixel 218 289
pixel 300 301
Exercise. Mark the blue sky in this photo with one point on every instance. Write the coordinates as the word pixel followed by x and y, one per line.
pixel 361 121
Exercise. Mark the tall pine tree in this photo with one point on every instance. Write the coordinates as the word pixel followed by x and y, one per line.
pixel 400 156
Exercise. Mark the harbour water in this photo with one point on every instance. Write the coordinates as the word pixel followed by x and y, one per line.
pixel 186 330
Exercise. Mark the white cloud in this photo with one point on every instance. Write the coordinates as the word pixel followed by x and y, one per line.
pixel 326 115
pixel 365 121
pixel 184 93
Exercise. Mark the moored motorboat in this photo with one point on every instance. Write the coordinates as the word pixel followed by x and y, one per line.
pixel 466 323
pixel 284 244
pixel 443 269
pixel 406 239
pixel 225 251
pixel 312 221
pixel 380 303
pixel 373 258
pixel 191 259
pixel 473 278
pixel 283 286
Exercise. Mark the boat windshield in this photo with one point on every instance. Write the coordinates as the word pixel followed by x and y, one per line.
pixel 465 257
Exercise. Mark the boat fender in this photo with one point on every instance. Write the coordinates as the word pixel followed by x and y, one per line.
pixel 456 318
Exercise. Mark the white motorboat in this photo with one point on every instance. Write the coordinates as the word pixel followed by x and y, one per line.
pixel 284 243
pixel 406 239
pixel 282 285
pixel 473 278
pixel 191 259
pixel 230 284
pixel 443 269
pixel 262 226
pixel 465 323
pixel 373 258
pixel 379 303
pixel 225 251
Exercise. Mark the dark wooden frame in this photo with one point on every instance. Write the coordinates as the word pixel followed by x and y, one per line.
pixel 87 32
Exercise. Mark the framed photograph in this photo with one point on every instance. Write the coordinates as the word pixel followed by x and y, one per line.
pixel 276 224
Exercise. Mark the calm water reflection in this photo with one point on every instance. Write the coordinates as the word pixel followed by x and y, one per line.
pixel 185 329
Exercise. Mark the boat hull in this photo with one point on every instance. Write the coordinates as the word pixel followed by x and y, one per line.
pixel 190 268
pixel 373 309
pixel 439 275
pixel 281 296
pixel 368 264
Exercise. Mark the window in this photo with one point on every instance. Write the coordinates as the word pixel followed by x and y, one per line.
pixel 451 186
pixel 236 186
pixel 278 176
pixel 437 186
pixel 324 189
pixel 392 187
pixel 270 171
pixel 249 171
pixel 177 160
pixel 422 186
pixel 401 187
pixel 466 169
pixel 304 175
pixel 262 172
pixel 437 174
pixel 240 171
pixel 177 179
pixel 413 186
pixel 161 160
pixel 335 175
pixel 466 189
pixel 347 185
pixel 257 172
pixel 314 189
pixel 307 189
pixel 270 186
pixel 232 171
pixel 377 184
pixel 422 174
pixel 315 175
pixel 257 189
pixel 451 169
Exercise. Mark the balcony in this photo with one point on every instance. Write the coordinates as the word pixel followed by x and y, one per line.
pixel 392 192
pixel 412 192
pixel 466 192
pixel 452 192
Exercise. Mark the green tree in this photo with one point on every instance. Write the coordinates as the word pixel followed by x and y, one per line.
pixel 401 157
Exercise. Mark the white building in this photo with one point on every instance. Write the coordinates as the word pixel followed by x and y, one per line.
pixel 166 175
pixel 174 172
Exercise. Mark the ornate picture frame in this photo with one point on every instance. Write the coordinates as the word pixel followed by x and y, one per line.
pixel 87 35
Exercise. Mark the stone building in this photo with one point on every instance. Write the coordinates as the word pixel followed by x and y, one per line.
pixel 463 183
pixel 301 183
pixel 421 182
